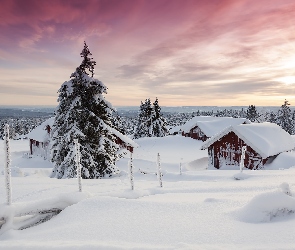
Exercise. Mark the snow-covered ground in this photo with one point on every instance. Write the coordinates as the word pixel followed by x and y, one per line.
pixel 200 209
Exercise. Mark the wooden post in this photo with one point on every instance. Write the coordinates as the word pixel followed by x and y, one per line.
pixel 7 165
pixel 131 172
pixel 242 158
pixel 180 166
pixel 78 156
pixel 159 173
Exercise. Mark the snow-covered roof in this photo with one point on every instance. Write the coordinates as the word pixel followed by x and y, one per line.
pixel 210 125
pixel 124 138
pixel 40 133
pixel 266 138
pixel 175 129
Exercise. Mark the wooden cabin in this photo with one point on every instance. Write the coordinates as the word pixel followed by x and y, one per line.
pixel 40 137
pixel 263 141
pixel 204 127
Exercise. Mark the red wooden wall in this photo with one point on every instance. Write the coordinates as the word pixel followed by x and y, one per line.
pixel 227 151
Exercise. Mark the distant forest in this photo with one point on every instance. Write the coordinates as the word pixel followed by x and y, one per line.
pixel 126 121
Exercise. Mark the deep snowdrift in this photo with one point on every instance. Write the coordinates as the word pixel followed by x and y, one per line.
pixel 199 209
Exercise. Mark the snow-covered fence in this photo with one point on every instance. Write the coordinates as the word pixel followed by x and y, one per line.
pixel 131 172
pixel 242 158
pixel 159 173
pixel 77 161
pixel 7 165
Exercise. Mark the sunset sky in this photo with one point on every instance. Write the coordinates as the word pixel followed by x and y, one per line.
pixel 185 52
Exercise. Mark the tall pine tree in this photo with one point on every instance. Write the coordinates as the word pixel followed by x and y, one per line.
pixel 159 123
pixel 144 123
pixel 284 118
pixel 83 114
pixel 251 113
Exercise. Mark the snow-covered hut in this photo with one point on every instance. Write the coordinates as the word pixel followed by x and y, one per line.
pixel 123 141
pixel 263 141
pixel 204 127
pixel 40 137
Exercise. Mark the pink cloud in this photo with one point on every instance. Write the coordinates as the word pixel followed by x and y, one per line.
pixel 151 40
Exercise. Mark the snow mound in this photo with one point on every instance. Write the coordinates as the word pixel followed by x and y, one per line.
pixel 42 172
pixel 211 200
pixel 22 215
pixel 241 176
pixel 268 207
pixel 285 188
pixel 15 172
pixel 284 160
pixel 199 164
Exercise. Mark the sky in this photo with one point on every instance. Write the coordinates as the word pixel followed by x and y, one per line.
pixel 185 52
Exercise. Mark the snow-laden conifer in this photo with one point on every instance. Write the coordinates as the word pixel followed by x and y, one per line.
pixel 144 125
pixel 151 123
pixel 272 117
pixel 159 123
pixel 252 113
pixel 83 113
pixel 284 118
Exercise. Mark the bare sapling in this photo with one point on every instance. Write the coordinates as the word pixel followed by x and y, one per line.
pixel 159 173
pixel 78 165
pixel 131 172
pixel 180 167
pixel 7 165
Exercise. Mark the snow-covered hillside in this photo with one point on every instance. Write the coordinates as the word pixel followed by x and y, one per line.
pixel 200 209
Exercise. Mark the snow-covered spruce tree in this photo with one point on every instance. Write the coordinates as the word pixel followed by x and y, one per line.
pixel 140 129
pixel 83 114
pixel 252 113
pixel 159 124
pixel 284 118
pixel 144 124
pixel 151 123
pixel 118 124
pixel 272 117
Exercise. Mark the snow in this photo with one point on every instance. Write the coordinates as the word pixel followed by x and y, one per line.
pixel 283 160
pixel 211 128
pixel 40 133
pixel 241 176
pixel 200 209
pixel 265 138
pixel 269 138
pixel 267 207
pixel 209 125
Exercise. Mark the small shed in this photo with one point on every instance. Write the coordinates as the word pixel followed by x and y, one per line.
pixel 204 127
pixel 123 141
pixel 263 141
pixel 40 137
